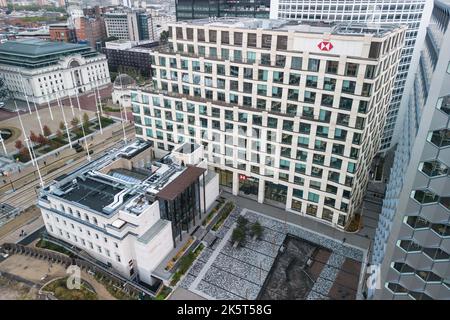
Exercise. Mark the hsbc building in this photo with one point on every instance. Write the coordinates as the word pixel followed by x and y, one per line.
pixel 289 114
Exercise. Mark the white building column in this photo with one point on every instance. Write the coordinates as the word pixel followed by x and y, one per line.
pixel 289 198
pixel 235 183
pixel 261 190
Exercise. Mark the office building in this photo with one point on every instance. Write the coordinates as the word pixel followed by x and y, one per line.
pixel 412 242
pixel 123 55
pixel 42 71
pixel 128 211
pixel 62 32
pixel 289 114
pixel 414 13
pixel 127 24
pixel 91 30
pixel 200 9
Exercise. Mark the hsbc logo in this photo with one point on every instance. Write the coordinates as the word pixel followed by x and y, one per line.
pixel 325 46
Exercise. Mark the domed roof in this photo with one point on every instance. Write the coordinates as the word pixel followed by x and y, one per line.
pixel 124 80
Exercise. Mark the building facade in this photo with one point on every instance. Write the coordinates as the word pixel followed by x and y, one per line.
pixel 91 30
pixel 414 13
pixel 289 114
pixel 40 71
pixel 124 54
pixel 119 208
pixel 200 9
pixel 132 25
pixel 159 22
pixel 62 32
pixel 412 243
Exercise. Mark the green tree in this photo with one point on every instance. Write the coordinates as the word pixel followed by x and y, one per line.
pixel 257 230
pixel 164 36
pixel 242 222
pixel 75 122
pixel 238 235
pixel 62 126
pixel 85 120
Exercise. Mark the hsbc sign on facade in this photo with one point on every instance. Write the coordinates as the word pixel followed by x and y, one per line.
pixel 325 46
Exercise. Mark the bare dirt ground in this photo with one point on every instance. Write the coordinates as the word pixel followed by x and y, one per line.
pixel 13 290
pixel 41 272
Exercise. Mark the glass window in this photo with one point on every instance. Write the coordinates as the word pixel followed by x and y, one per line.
pixel 351 69
pixel 313 197
pixel 332 67
pixel 296 63
pixel 313 65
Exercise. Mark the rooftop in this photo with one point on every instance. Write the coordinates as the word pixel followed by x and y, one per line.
pixel 38 47
pixel 184 180
pixel 93 193
pixel 111 182
pixel 296 26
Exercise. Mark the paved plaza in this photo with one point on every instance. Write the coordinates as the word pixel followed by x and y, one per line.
pixel 317 267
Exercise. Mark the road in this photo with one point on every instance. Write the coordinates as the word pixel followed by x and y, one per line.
pixel 26 189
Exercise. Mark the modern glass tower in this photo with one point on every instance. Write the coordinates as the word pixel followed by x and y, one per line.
pixel 412 242
pixel 414 13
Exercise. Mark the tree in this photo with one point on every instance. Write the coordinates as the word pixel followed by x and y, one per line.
pixel 24 154
pixel 47 131
pixel 33 136
pixel 42 140
pixel 62 126
pixel 85 120
pixel 59 134
pixel 257 230
pixel 18 144
pixel 242 222
pixel 75 122
pixel 164 36
pixel 238 236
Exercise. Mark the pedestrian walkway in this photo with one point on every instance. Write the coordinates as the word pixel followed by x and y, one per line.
pixel 356 239
pixel 29 228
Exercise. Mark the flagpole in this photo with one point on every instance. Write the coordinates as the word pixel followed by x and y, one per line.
pixel 38 116
pixel 24 93
pixel 98 113
pixel 64 118
pixel 84 132
pixel 121 108
pixel 49 107
pixel 24 133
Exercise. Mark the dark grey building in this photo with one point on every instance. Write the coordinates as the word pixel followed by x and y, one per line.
pixel 121 54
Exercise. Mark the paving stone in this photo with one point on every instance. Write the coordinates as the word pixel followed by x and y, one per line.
pixel 216 292
pixel 231 283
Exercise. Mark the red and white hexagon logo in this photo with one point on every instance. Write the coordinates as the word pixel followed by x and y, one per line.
pixel 325 46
